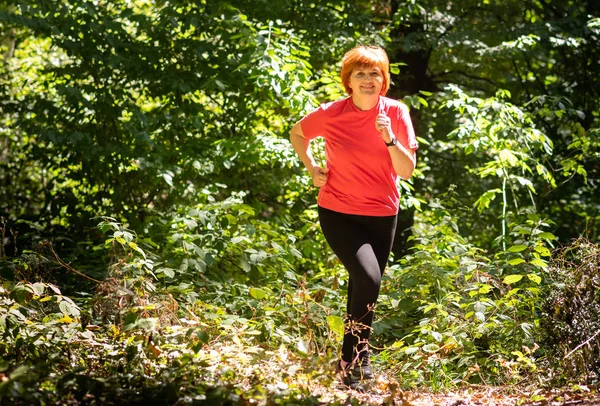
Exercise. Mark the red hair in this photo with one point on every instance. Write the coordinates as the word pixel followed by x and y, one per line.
pixel 366 57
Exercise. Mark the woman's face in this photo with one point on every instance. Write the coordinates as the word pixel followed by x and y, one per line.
pixel 366 81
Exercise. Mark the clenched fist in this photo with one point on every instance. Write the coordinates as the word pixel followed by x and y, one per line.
pixel 319 176
pixel 383 124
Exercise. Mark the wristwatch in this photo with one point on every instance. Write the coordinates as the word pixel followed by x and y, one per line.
pixel 392 142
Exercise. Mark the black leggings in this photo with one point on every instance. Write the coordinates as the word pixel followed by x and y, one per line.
pixel 363 245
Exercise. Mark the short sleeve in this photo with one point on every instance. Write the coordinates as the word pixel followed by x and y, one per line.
pixel 313 124
pixel 405 131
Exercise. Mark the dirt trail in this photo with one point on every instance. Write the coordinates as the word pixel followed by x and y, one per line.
pixel 387 395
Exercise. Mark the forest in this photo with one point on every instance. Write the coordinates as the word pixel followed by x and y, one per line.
pixel 159 237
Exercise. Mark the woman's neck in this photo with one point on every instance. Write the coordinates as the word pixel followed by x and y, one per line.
pixel 364 103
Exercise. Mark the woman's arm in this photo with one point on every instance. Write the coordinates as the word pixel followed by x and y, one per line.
pixel 404 160
pixel 302 147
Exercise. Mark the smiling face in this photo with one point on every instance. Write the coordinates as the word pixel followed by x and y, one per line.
pixel 365 59
pixel 366 81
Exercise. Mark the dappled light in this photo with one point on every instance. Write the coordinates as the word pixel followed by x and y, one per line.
pixel 160 240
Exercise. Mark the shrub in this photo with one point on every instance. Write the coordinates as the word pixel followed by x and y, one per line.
pixel 571 322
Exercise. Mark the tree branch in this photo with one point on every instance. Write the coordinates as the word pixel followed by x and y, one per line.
pixel 582 344
pixel 461 73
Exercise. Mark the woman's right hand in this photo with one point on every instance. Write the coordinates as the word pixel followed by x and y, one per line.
pixel 319 176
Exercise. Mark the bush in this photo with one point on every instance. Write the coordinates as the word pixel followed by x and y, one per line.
pixel 571 322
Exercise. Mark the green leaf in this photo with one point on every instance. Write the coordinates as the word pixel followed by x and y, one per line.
pixel 535 278
pixel 526 182
pixel 547 236
pixel 539 262
pixel 543 251
pixel 55 289
pixel 480 307
pixel 336 324
pixel 68 308
pixel 231 219
pixel 517 248
pixel 147 324
pixel 39 288
pixel 484 289
pixel 245 265
pixel 512 292
pixel 203 336
pixel 295 253
pixel 506 156
pixel 258 293
pixel 516 261
pixel 511 279
pixel 135 247
pixel 21 370
pixel 130 320
pixel 169 272
pixel 190 224
pixel 485 199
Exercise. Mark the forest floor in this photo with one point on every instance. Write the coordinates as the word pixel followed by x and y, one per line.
pixel 477 395
pixel 282 371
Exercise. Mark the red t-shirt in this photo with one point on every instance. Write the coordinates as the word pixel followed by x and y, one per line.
pixel 361 178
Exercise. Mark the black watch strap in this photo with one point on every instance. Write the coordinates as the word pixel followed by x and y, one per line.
pixel 392 142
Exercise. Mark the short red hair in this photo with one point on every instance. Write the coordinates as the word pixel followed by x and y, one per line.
pixel 366 57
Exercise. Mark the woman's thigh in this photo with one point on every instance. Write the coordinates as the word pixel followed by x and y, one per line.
pixel 356 243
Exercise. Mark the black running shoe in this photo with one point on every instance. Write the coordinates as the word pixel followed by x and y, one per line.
pixel 354 378
pixel 362 370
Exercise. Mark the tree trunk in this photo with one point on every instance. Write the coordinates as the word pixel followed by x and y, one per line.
pixel 412 79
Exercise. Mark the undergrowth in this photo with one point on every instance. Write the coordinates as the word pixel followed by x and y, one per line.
pixel 572 312
pixel 224 306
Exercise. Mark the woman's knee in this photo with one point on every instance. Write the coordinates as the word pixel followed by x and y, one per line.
pixel 368 283
pixel 376 281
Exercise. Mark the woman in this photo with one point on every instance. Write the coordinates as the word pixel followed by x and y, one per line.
pixel 369 142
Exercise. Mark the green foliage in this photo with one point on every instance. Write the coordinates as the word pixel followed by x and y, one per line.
pixel 459 316
pixel 510 152
pixel 180 336
pixel 108 137
pixel 37 322
pixel 208 278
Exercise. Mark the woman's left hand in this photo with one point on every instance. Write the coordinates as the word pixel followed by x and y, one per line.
pixel 383 124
